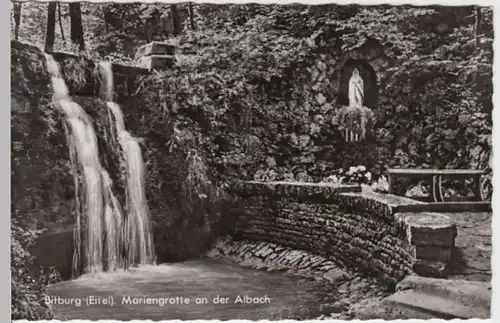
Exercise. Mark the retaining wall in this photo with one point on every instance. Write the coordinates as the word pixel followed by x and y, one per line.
pixel 359 230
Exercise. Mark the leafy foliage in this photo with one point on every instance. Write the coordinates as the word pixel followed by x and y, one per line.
pixel 28 292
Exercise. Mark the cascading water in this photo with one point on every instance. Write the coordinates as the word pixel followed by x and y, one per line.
pixel 137 229
pixel 85 161
pixel 108 231
pixel 113 224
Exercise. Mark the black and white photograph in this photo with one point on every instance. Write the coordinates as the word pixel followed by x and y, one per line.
pixel 251 161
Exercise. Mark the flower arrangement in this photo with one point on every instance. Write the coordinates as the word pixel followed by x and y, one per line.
pixel 361 176
pixel 354 122
pixel 355 175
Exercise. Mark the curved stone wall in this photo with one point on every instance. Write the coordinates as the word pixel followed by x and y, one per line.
pixel 364 231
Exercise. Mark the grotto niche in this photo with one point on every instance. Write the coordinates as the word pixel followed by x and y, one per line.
pixel 356 100
pixel 357 97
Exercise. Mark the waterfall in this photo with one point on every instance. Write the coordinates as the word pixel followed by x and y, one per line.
pixel 107 230
pixel 137 228
pixel 113 223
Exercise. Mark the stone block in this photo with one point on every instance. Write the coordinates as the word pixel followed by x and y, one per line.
pixel 156 62
pixel 129 70
pixel 432 253
pixel 320 98
pixel 430 229
pixel 335 274
pixel 430 268
pixel 155 48
pixel 338 307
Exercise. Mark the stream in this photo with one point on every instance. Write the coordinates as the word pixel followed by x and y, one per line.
pixel 199 289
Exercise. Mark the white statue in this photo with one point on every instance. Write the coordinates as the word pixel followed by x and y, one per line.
pixel 356 98
pixel 356 94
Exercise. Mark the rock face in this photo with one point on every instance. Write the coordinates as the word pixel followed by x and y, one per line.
pixel 155 62
pixel 42 184
pixel 81 74
pixel 155 48
pixel 432 238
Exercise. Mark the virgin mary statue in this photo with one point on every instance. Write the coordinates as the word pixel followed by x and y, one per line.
pixel 356 94
pixel 355 118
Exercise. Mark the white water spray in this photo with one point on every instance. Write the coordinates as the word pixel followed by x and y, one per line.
pixel 113 223
pixel 137 228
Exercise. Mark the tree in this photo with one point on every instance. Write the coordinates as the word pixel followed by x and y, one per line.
pixel 191 16
pixel 51 27
pixel 477 26
pixel 176 24
pixel 60 21
pixel 75 13
pixel 17 17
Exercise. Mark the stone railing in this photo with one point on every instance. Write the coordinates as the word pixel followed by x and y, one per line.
pixel 358 230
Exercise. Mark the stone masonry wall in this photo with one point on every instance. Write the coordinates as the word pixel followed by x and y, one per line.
pixel 357 230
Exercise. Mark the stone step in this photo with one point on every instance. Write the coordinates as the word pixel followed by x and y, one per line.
pixel 155 48
pixel 380 309
pixel 443 298
pixel 432 253
pixel 476 293
pixel 158 62
pixel 437 306
pixel 429 229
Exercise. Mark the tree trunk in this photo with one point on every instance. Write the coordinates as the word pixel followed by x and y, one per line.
pixel 51 27
pixel 106 14
pixel 60 21
pixel 17 18
pixel 176 24
pixel 191 16
pixel 478 24
pixel 75 13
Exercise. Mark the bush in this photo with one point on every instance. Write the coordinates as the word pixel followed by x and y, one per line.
pixel 355 175
pixel 28 292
